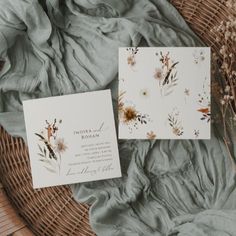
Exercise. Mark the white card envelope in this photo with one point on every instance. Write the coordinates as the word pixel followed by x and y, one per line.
pixel 71 138
pixel 164 93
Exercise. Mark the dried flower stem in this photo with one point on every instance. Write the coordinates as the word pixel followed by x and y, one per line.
pixel 226 59
pixel 230 155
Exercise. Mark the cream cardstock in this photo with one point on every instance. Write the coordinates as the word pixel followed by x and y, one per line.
pixel 71 138
pixel 164 93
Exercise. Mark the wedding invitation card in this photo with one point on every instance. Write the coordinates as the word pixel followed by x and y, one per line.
pixel 164 93
pixel 71 138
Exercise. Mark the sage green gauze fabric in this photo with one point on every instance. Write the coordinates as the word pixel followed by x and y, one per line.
pixel 169 187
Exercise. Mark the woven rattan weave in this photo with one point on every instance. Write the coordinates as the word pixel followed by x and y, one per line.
pixel 52 211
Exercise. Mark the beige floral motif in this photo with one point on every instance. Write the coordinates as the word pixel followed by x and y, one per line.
pixel 144 93
pixel 198 56
pixel 177 131
pixel 158 74
pixel 167 74
pixel 131 58
pixel 128 114
pixel 60 145
pixel 51 147
pixel 196 133
pixel 187 92
pixel 151 135
pixel 175 123
pixel 120 102
pixel 204 103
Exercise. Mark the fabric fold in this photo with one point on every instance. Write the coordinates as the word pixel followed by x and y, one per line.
pixel 169 187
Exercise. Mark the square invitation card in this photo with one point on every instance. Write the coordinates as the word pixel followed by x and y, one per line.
pixel 164 93
pixel 72 138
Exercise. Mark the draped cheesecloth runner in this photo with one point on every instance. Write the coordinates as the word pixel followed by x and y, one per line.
pixel 168 187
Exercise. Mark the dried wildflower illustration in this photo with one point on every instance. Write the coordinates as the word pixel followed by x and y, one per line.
pixel 151 135
pixel 129 115
pixel 196 133
pixel 158 74
pixel 175 123
pixel 187 94
pixel 131 58
pixel 144 93
pixel 204 102
pixel 120 102
pixel 198 56
pixel 166 75
pixel 60 145
pixel 51 147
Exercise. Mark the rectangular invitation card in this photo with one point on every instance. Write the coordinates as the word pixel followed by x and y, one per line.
pixel 72 138
pixel 164 93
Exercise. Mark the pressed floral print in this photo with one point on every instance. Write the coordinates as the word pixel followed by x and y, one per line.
pixel 129 115
pixel 144 93
pixel 131 58
pixel 51 147
pixel 151 135
pixel 120 102
pixel 204 103
pixel 196 133
pixel 166 74
pixel 175 123
pixel 167 93
pixel 187 94
pixel 199 56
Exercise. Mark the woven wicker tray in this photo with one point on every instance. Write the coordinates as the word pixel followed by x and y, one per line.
pixel 53 211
